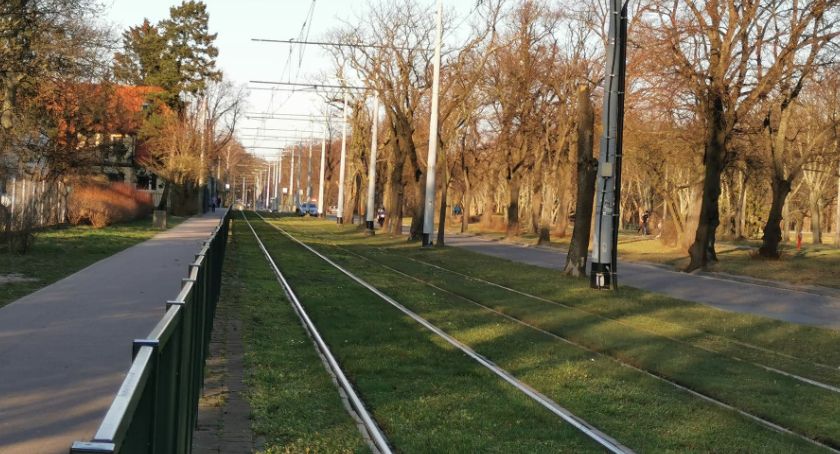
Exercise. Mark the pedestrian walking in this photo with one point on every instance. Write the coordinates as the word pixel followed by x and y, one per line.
pixel 380 216
pixel 643 227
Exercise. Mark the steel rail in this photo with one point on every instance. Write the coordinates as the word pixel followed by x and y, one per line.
pixel 589 430
pixel 809 381
pixel 371 429
pixel 712 400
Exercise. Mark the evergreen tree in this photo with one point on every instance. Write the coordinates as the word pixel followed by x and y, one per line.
pixel 176 55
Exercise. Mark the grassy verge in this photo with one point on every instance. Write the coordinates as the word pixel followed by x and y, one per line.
pixel 426 395
pixel 295 406
pixel 812 265
pixel 807 409
pixel 61 251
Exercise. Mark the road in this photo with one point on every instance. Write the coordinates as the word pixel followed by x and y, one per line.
pixel 792 305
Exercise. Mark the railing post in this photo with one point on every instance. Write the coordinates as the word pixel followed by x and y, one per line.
pixel 153 379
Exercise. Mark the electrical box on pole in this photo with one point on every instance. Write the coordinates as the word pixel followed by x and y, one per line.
pixel 608 183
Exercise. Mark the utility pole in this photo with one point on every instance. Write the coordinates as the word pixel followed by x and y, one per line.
pixel 257 189
pixel 244 194
pixel 309 173
pixel 299 172
pixel 323 173
pixel 340 212
pixel 279 182
pixel 429 210
pixel 276 180
pixel 268 187
pixel 292 180
pixel 605 243
pixel 369 215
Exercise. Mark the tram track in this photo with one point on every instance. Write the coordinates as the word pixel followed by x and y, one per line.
pixel 806 380
pixel 763 421
pixel 370 429
pixel 596 435
pixel 707 398
pixel 747 345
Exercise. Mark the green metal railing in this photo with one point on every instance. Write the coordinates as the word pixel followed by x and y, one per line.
pixel 156 406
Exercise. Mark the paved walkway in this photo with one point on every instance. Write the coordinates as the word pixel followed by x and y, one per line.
pixel 65 349
pixel 798 306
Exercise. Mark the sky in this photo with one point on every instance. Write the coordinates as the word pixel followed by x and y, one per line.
pixel 242 60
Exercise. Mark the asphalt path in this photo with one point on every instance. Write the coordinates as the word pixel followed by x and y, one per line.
pixel 768 299
pixel 65 349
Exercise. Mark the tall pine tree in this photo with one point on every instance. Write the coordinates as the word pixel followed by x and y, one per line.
pixel 176 55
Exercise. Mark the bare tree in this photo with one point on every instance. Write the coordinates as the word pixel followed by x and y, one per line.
pixel 730 56
pixel 398 68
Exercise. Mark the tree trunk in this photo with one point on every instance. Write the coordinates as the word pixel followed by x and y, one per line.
pixel 786 223
pixel 816 217
pixel 773 229
pixel 465 203
pixel 164 196
pixel 536 212
pixel 741 215
pixel 702 250
pixel 587 169
pixel 394 191
pixel 514 186
pixel 837 217
pixel 416 231
pixel 444 190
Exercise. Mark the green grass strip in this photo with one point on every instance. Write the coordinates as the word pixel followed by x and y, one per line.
pixel 809 343
pixel 543 365
pixel 295 406
pixel 806 409
pixel 426 395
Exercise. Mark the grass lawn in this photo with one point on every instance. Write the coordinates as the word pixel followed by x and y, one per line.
pixel 426 395
pixel 699 347
pixel 61 251
pixel 812 265
pixel 294 404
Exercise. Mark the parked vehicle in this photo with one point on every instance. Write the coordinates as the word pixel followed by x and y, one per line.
pixel 307 208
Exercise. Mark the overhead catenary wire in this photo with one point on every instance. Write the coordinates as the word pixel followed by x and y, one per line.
pixel 279 129
pixel 315 86
pixel 339 44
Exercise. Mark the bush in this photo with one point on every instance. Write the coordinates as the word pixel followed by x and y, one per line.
pixel 100 205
